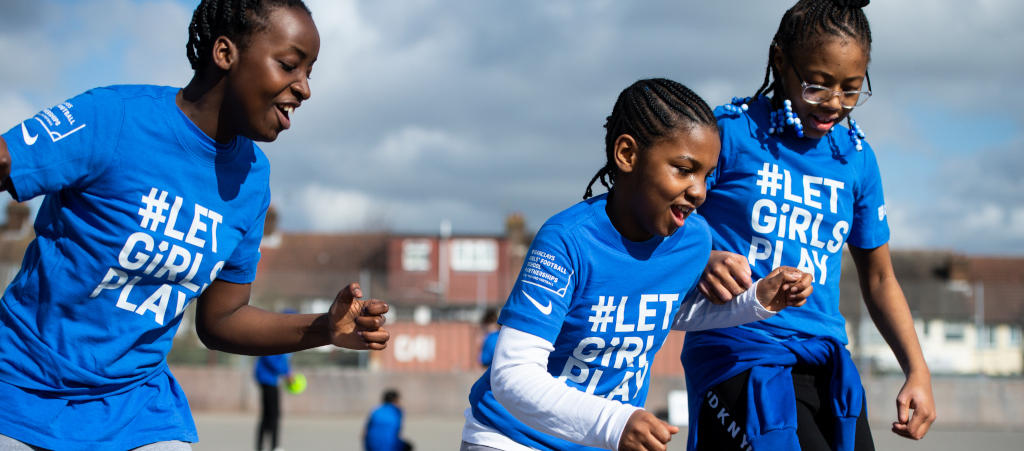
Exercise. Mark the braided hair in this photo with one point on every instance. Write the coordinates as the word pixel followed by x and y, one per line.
pixel 649 110
pixel 813 21
pixel 238 20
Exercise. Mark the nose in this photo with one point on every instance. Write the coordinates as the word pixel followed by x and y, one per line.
pixel 833 103
pixel 301 88
pixel 696 193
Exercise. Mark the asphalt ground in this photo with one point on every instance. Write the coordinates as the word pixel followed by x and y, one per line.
pixel 237 432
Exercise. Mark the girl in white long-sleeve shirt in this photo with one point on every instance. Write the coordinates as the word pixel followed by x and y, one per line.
pixel 603 284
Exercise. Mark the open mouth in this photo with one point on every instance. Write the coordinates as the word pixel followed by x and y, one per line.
pixel 822 124
pixel 679 214
pixel 284 113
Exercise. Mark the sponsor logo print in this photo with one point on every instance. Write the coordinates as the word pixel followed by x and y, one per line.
pixel 545 309
pixel 30 140
pixel 881 212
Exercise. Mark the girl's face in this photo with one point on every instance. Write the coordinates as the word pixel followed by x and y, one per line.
pixel 838 64
pixel 271 77
pixel 665 183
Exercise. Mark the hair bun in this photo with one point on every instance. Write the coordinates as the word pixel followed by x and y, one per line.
pixel 852 3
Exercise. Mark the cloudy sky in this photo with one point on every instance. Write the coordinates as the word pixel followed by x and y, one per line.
pixel 469 110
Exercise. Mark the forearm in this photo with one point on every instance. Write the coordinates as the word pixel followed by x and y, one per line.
pixel 5 167
pixel 888 307
pixel 252 331
pixel 226 322
pixel 699 313
pixel 521 383
pixel 889 311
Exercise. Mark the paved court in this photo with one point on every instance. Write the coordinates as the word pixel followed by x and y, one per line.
pixel 236 432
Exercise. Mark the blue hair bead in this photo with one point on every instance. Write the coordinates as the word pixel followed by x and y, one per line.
pixel 856 135
pixel 787 103
pixel 789 121
pixel 744 107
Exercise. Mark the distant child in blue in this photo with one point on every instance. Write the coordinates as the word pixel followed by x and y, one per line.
pixel 154 197
pixel 490 327
pixel 384 426
pixel 268 371
pixel 603 284
pixel 793 186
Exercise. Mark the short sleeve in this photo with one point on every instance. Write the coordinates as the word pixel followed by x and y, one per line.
pixel 870 227
pixel 541 295
pixel 241 266
pixel 66 146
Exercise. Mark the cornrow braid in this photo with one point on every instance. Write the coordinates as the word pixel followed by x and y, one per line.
pixel 810 22
pixel 649 110
pixel 238 20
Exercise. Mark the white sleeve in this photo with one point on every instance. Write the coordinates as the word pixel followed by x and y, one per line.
pixel 699 313
pixel 521 383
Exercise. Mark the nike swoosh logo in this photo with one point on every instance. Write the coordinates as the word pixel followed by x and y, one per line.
pixel 30 140
pixel 545 309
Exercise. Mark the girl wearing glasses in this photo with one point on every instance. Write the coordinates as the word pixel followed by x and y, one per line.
pixel 793 185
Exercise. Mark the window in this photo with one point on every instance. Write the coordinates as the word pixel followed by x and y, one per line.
pixel 987 337
pixel 1015 336
pixel 954 332
pixel 416 255
pixel 474 255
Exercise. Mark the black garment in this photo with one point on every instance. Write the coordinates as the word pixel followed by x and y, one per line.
pixel 270 417
pixel 815 420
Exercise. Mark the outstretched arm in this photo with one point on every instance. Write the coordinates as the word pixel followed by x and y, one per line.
pixel 521 383
pixel 5 167
pixel 890 313
pixel 783 287
pixel 226 322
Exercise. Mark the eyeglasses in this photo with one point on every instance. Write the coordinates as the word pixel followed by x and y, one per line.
pixel 815 94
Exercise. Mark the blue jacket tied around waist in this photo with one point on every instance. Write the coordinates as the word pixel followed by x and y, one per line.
pixel 714 356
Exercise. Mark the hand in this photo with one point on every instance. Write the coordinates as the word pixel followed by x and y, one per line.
pixel 726 276
pixel 784 287
pixel 356 324
pixel 646 432
pixel 917 395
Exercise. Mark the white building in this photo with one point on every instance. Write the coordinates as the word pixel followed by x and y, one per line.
pixel 968 313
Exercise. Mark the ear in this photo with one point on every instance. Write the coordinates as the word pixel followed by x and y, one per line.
pixel 778 59
pixel 625 153
pixel 225 53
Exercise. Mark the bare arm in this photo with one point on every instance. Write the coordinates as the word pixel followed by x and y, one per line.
pixel 5 167
pixel 889 311
pixel 226 322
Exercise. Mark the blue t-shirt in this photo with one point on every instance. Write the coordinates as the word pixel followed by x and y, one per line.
pixel 270 367
pixel 383 429
pixel 789 201
pixel 604 302
pixel 142 211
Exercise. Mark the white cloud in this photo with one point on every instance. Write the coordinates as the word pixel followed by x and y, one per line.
pixel 426 109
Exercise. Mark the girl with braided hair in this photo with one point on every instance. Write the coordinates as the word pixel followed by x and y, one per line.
pixel 603 284
pixel 155 196
pixel 792 187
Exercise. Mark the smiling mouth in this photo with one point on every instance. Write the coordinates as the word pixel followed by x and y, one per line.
pixel 680 213
pixel 285 112
pixel 823 124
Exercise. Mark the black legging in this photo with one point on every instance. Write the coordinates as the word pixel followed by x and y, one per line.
pixel 270 416
pixel 815 420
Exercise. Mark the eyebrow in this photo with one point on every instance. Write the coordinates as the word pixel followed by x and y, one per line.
pixel 300 52
pixel 832 77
